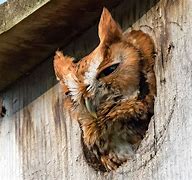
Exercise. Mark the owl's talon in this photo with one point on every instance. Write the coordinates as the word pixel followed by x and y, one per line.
pixel 108 163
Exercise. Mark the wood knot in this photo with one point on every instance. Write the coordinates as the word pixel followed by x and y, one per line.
pixel 2 109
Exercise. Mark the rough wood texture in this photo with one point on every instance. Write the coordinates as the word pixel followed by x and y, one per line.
pixel 30 31
pixel 38 139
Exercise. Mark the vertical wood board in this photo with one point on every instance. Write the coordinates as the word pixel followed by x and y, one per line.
pixel 39 141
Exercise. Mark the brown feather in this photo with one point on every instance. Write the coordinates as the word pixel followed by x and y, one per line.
pixel 115 103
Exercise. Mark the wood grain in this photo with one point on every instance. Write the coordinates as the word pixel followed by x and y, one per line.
pixel 38 140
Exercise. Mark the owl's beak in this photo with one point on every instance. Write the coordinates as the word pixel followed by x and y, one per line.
pixel 90 107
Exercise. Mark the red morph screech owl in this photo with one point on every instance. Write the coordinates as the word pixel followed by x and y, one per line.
pixel 112 92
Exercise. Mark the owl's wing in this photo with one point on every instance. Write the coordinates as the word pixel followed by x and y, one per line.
pixel 145 45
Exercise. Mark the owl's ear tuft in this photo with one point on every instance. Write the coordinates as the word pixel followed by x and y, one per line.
pixel 63 65
pixel 142 41
pixel 109 30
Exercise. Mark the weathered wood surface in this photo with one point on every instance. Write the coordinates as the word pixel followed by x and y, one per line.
pixel 38 140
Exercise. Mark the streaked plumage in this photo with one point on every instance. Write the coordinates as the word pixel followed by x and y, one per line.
pixel 112 90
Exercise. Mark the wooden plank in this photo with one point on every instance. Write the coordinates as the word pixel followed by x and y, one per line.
pixel 30 31
pixel 38 140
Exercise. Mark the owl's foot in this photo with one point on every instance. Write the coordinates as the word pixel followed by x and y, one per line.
pixel 110 163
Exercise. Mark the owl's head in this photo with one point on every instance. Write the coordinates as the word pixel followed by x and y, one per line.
pixel 108 74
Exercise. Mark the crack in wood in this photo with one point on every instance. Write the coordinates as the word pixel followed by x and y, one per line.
pixel 2 109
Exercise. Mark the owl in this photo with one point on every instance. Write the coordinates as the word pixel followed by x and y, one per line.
pixel 111 91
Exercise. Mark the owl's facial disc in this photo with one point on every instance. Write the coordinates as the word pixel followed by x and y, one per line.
pixel 90 107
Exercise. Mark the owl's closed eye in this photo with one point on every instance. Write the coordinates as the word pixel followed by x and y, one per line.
pixel 112 89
